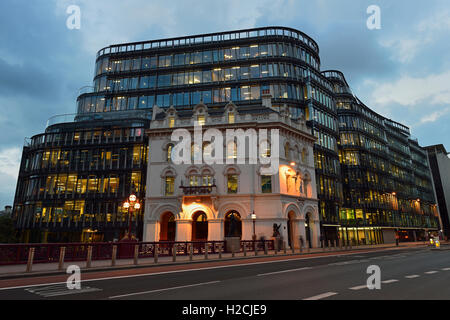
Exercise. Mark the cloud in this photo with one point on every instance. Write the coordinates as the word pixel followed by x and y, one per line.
pixel 409 91
pixel 9 171
pixel 433 117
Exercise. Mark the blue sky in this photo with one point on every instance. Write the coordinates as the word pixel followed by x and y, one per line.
pixel 401 71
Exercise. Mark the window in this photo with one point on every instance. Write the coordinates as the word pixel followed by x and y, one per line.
pixel 266 184
pixel 232 183
pixel 170 186
pixel 169 152
pixel 201 120
pixel 171 122
pixel 231 118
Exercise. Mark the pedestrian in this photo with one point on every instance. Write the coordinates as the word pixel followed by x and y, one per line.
pixel 301 242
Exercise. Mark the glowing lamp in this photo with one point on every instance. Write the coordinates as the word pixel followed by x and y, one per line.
pixel 126 205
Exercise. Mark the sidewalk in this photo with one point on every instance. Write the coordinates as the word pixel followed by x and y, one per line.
pixel 104 265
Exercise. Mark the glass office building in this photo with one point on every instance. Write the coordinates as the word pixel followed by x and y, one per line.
pixel 387 182
pixel 130 79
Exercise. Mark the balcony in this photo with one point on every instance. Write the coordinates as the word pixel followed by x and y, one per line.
pixel 197 190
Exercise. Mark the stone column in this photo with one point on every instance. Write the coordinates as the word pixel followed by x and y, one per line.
pixel 215 230
pixel 184 230
pixel 151 231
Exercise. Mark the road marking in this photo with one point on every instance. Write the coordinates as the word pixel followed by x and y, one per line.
pixel 59 290
pixel 161 290
pixel 412 276
pixel 190 270
pixel 285 271
pixel 445 269
pixel 389 281
pixel 359 287
pixel 431 272
pixel 322 296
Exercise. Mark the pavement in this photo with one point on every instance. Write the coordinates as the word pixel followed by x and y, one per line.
pixel 407 272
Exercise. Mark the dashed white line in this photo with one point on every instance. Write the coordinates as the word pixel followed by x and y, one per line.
pixel 412 276
pixel 322 296
pixel 431 272
pixel 445 269
pixel 359 287
pixel 389 281
pixel 285 271
pixel 161 290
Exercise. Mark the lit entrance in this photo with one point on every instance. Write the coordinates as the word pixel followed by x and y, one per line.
pixel 168 227
pixel 238 224
pixel 199 227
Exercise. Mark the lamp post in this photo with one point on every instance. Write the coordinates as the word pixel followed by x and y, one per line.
pixel 254 226
pixel 131 204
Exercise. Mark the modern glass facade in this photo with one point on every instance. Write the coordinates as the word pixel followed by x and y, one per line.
pixel 239 66
pixel 387 183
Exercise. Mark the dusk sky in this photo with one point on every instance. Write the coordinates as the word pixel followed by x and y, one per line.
pixel 401 71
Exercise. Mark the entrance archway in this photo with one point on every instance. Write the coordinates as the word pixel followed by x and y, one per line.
pixel 199 226
pixel 291 229
pixel 238 224
pixel 168 227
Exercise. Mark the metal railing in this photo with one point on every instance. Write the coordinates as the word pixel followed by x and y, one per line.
pixel 19 254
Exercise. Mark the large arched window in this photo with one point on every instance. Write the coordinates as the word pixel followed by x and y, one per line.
pixel 233 224
pixel 199 227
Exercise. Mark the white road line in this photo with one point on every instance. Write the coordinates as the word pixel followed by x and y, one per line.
pixel 359 287
pixel 161 290
pixel 431 272
pixel 412 276
pixel 181 271
pixel 285 271
pixel 322 296
pixel 445 269
pixel 389 281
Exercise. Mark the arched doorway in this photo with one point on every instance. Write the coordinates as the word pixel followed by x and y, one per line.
pixel 168 227
pixel 199 227
pixel 291 229
pixel 238 224
pixel 308 229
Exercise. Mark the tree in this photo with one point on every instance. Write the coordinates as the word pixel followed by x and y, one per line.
pixel 7 230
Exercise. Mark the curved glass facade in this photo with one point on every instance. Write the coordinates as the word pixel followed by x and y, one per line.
pixel 385 173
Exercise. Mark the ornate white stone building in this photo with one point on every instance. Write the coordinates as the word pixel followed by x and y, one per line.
pixel 190 202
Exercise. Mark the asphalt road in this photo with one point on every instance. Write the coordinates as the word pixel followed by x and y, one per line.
pixel 405 273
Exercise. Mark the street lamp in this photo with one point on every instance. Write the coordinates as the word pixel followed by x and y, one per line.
pixel 254 226
pixel 131 204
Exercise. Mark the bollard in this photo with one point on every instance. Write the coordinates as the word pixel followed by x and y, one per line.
pixel 62 254
pixel 174 252
pixel 89 257
pixel 206 250
pixel 245 250
pixel 220 250
pixel 191 251
pixel 136 254
pixel 301 248
pixel 276 246
pixel 284 247
pixel 323 246
pixel 30 259
pixel 308 246
pixel 256 248
pixel 156 253
pixel 266 251
pixel 350 245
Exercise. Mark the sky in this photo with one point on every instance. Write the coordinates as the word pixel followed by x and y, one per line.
pixel 401 71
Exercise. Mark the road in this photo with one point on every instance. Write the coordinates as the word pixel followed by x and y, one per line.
pixel 414 273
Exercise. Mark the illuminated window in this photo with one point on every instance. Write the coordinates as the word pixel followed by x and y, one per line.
pixel 232 183
pixel 170 186
pixel 231 118
pixel 232 150
pixel 169 152
pixel 201 120
pixel 171 122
